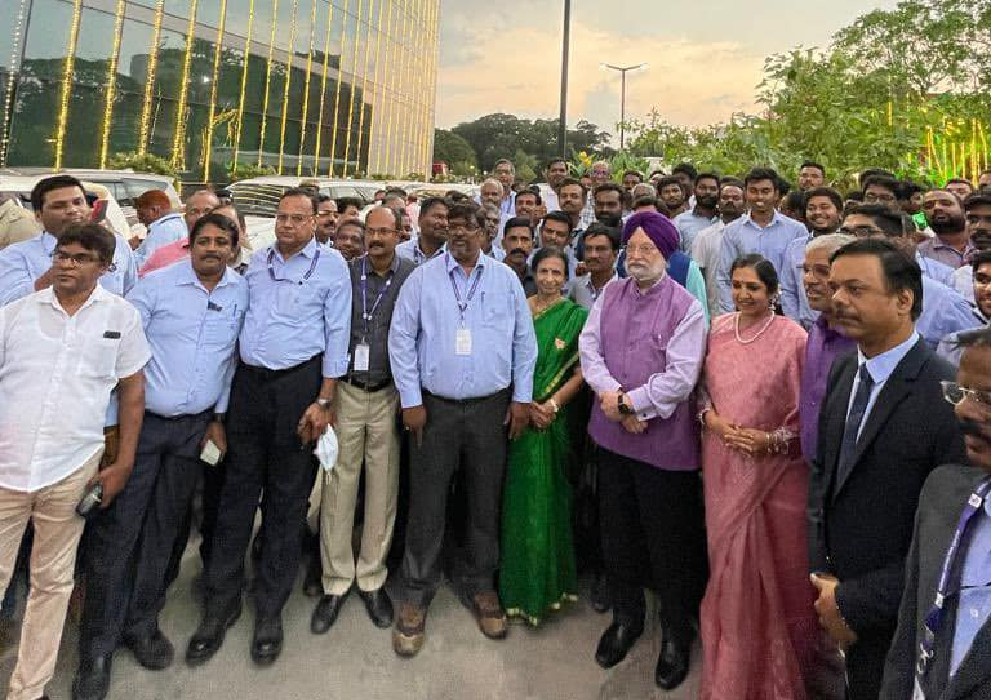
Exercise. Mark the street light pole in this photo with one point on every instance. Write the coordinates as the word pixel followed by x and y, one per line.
pixel 564 85
pixel 623 70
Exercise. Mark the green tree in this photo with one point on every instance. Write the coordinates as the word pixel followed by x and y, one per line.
pixel 455 151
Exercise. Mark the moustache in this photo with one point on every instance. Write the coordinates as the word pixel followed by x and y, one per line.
pixel 972 429
pixel 517 251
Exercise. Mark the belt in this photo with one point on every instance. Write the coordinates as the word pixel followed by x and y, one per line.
pixel 182 416
pixel 265 374
pixel 370 388
pixel 466 402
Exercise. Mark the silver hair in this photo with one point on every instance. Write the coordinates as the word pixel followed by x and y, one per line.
pixel 831 242
pixel 494 181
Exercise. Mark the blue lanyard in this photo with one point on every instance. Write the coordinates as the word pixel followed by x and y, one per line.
pixel 309 272
pixel 365 313
pixel 932 623
pixel 463 306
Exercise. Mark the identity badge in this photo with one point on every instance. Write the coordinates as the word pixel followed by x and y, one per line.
pixel 361 351
pixel 463 342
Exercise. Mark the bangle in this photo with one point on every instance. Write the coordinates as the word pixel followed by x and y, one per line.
pixel 554 405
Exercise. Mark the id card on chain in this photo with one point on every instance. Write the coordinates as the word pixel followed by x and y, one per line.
pixel 361 353
pixel 463 342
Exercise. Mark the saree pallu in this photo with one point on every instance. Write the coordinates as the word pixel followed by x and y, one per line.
pixel 537 568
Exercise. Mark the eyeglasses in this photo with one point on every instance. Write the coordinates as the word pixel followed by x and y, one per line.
pixel 76 259
pixel 379 231
pixel 879 198
pixel 955 394
pixel 643 249
pixel 463 228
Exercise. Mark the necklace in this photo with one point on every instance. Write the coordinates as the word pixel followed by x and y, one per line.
pixel 759 333
pixel 540 309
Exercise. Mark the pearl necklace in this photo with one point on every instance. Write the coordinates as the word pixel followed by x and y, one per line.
pixel 759 333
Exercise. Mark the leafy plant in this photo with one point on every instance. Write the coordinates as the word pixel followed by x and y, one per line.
pixel 143 163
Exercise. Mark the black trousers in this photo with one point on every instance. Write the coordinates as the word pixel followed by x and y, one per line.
pixel 653 533
pixel 109 560
pixel 470 433
pixel 176 445
pixel 865 661
pixel 267 464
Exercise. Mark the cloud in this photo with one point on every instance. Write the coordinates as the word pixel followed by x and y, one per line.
pixel 705 59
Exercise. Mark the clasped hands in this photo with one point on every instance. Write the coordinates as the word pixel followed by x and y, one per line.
pixel 749 441
pixel 829 614
pixel 631 422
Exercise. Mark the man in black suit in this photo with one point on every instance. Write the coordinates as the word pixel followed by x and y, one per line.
pixel 959 665
pixel 884 427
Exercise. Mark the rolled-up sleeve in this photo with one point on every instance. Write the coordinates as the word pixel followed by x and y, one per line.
pixel 403 332
pixel 683 354
pixel 525 349
pixel 337 317
pixel 15 280
pixel 595 372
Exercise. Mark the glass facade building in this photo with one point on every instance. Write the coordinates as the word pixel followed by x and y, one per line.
pixel 308 87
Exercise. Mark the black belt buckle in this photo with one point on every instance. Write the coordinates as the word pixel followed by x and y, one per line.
pixel 370 388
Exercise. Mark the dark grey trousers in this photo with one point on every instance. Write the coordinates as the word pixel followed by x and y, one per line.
pixel 472 434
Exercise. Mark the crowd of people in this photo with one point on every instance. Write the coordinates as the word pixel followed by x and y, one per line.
pixel 767 403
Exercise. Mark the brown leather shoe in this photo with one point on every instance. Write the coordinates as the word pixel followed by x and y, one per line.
pixel 408 636
pixel 490 616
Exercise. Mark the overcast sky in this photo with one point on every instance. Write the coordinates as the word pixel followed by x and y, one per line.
pixel 705 56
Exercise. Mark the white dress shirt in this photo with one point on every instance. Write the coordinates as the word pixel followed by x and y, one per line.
pixel 56 376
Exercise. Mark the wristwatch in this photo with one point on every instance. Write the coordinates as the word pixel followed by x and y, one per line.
pixel 325 404
pixel 624 408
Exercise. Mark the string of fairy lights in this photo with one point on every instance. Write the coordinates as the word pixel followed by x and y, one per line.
pixel 386 76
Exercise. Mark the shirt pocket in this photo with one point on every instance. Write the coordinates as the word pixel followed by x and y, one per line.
pixel 498 312
pixel 220 331
pixel 100 356
pixel 292 299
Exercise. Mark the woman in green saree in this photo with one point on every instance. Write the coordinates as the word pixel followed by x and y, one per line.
pixel 537 569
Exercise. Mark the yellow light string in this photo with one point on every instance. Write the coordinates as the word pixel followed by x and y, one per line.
pixel 336 101
pixel 243 88
pixel 109 89
pixel 354 82
pixel 305 98
pixel 214 91
pixel 178 152
pixel 147 95
pixel 409 113
pixel 15 68
pixel 66 88
pixel 418 123
pixel 428 139
pixel 267 82
pixel 364 89
pixel 288 85
pixel 392 116
pixel 322 92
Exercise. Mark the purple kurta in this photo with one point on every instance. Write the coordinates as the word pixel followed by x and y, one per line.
pixel 823 346
pixel 651 345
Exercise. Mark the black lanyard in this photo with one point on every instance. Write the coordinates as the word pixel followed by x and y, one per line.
pixel 309 272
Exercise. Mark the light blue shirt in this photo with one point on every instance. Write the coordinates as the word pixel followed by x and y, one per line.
pixel 880 368
pixel 689 225
pixel 937 271
pixel 944 312
pixel 192 336
pixel 744 236
pixel 423 337
pixel 23 263
pixel 410 250
pixel 297 316
pixel 974 592
pixel 161 232
pixel 794 303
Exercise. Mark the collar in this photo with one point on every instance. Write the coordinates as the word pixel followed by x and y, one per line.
pixel 450 263
pixel 186 276
pixel 48 296
pixel 775 218
pixel 393 266
pixel 415 240
pixel 166 217
pixel 938 244
pixel 655 285
pixel 307 252
pixel 881 366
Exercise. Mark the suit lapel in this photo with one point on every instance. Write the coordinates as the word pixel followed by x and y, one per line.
pixel 839 397
pixel 895 390
pixel 974 670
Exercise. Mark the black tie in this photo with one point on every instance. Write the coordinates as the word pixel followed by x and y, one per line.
pixel 849 443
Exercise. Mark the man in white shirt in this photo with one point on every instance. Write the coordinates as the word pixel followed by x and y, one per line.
pixel 62 350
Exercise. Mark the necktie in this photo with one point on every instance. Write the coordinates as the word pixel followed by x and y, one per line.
pixel 849 443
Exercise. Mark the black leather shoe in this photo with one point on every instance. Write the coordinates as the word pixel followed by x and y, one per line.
pixel 615 643
pixel 599 595
pixel 93 678
pixel 154 652
pixel 378 606
pixel 267 640
pixel 325 613
pixel 210 634
pixel 674 662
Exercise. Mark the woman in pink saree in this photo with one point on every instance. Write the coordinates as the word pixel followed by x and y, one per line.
pixel 758 627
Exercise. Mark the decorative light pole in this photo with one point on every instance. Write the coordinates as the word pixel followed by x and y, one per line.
pixel 623 70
